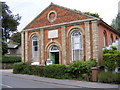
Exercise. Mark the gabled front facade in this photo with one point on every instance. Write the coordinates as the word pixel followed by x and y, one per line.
pixel 63 35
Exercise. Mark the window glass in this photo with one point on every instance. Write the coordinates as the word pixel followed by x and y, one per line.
pixel 34 46
pixel 76 45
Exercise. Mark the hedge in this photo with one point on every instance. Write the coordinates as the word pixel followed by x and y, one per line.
pixel 10 59
pixel 109 77
pixel 111 61
pixel 55 71
pixel 76 70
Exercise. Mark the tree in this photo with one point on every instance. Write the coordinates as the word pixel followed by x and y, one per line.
pixel 16 38
pixel 116 23
pixel 93 14
pixel 4 48
pixel 9 22
pixel 89 13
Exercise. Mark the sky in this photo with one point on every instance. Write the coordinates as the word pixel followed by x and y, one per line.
pixel 29 9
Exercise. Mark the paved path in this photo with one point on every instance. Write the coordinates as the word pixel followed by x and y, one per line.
pixel 74 83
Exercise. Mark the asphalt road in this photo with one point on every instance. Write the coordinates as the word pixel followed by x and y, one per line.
pixel 14 82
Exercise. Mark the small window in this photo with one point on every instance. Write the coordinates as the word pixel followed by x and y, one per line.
pixel 36 48
pixel 35 43
pixel 54 48
pixel 52 15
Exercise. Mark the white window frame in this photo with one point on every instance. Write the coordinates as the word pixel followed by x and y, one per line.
pixel 35 52
pixel 78 42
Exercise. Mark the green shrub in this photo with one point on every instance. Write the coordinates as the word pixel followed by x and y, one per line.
pixel 20 68
pixel 37 70
pixel 54 71
pixel 113 50
pixel 10 59
pixel 24 68
pixel 108 77
pixel 111 61
pixel 78 69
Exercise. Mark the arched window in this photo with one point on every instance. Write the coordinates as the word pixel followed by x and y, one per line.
pixel 76 45
pixel 116 38
pixel 111 39
pixel 105 38
pixel 34 47
pixel 54 48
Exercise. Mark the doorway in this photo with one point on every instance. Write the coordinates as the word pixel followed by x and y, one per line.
pixel 54 54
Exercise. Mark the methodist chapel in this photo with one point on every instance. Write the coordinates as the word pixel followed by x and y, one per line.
pixel 63 35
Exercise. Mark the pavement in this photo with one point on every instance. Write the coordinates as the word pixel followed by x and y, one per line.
pixel 76 83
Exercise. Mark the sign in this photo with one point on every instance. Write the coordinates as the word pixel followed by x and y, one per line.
pixel 48 62
pixel 53 34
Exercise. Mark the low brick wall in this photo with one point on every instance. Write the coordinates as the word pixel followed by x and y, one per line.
pixel 6 65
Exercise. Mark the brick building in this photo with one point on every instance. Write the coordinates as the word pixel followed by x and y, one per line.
pixel 64 35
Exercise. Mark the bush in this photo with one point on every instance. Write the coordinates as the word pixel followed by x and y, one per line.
pixel 20 68
pixel 37 70
pixel 10 59
pixel 24 68
pixel 76 70
pixel 111 61
pixel 55 71
pixel 113 50
pixel 108 77
pixel 80 69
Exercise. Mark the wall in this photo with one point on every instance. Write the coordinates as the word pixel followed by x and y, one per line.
pixel 103 28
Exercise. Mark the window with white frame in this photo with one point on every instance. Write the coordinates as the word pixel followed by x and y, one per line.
pixel 76 45
pixel 34 46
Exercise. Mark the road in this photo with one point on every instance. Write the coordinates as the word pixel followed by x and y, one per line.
pixel 15 82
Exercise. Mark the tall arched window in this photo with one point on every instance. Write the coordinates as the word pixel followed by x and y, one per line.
pixel 76 45
pixel 111 39
pixel 105 38
pixel 34 47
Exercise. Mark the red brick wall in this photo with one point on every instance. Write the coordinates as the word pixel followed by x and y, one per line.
pixel 109 32
pixel 63 15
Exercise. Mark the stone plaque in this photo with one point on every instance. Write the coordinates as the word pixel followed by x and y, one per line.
pixel 53 34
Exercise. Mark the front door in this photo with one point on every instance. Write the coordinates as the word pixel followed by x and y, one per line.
pixel 54 54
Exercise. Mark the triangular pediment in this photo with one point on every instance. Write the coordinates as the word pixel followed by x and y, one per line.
pixel 55 14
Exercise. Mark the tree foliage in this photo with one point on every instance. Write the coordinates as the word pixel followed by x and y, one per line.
pixel 89 13
pixel 93 14
pixel 116 23
pixel 9 22
pixel 16 38
pixel 4 48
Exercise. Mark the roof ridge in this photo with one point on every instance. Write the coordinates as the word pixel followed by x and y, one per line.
pixel 73 10
pixel 52 4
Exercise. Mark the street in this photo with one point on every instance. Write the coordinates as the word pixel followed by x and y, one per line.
pixel 15 82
